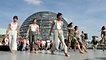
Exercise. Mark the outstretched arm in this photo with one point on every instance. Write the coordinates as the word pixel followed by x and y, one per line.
pixel 67 34
pixel 28 31
pixel 38 31
pixel 8 29
pixel 101 34
pixel 51 27
pixel 18 30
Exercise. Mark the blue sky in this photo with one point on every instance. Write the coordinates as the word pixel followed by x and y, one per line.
pixel 89 15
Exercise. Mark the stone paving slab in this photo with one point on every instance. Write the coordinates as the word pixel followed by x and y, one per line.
pixel 91 55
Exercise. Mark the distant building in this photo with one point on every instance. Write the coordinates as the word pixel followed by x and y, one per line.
pixel 44 20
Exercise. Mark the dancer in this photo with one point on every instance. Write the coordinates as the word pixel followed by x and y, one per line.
pixel 70 36
pixel 13 31
pixel 76 34
pixel 83 39
pixel 103 36
pixel 32 31
pixel 58 32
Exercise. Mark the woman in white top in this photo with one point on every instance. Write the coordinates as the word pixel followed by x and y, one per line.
pixel 13 31
pixel 58 34
pixel 32 30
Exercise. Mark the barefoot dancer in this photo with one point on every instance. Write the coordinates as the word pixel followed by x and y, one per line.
pixel 76 34
pixel 71 37
pixel 13 31
pixel 58 33
pixel 103 36
pixel 32 30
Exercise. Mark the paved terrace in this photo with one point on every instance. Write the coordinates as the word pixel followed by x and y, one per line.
pixel 91 55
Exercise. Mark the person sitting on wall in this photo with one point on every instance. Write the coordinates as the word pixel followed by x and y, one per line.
pixel 5 41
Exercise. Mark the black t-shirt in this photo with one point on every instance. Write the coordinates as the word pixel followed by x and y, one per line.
pixel 94 42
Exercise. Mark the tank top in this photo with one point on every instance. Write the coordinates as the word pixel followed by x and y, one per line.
pixel 13 26
pixel 71 31
pixel 33 28
pixel 58 25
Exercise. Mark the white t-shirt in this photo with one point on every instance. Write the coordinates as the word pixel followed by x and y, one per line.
pixel 48 42
pixel 43 42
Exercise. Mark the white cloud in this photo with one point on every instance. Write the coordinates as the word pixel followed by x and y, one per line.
pixel 35 2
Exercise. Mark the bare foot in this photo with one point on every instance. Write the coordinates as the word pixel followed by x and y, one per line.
pixel 66 54
pixel 13 51
pixel 36 52
pixel 86 51
pixel 81 52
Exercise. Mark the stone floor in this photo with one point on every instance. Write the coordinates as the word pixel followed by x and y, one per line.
pixel 91 55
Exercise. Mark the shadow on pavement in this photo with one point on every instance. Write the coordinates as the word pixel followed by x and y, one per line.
pixel 101 58
pixel 97 58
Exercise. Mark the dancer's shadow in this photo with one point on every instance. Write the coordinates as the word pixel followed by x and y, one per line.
pixel 97 58
pixel 55 53
pixel 88 59
pixel 101 58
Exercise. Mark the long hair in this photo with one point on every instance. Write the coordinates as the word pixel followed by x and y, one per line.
pixel 103 28
pixel 75 27
pixel 33 19
pixel 69 24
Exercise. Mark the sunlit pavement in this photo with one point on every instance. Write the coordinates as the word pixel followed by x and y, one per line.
pixel 91 55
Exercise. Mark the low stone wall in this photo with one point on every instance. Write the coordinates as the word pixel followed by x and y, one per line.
pixel 1 38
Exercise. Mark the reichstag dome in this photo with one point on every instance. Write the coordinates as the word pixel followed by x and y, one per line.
pixel 44 20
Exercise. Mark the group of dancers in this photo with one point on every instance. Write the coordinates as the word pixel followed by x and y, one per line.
pixel 72 35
